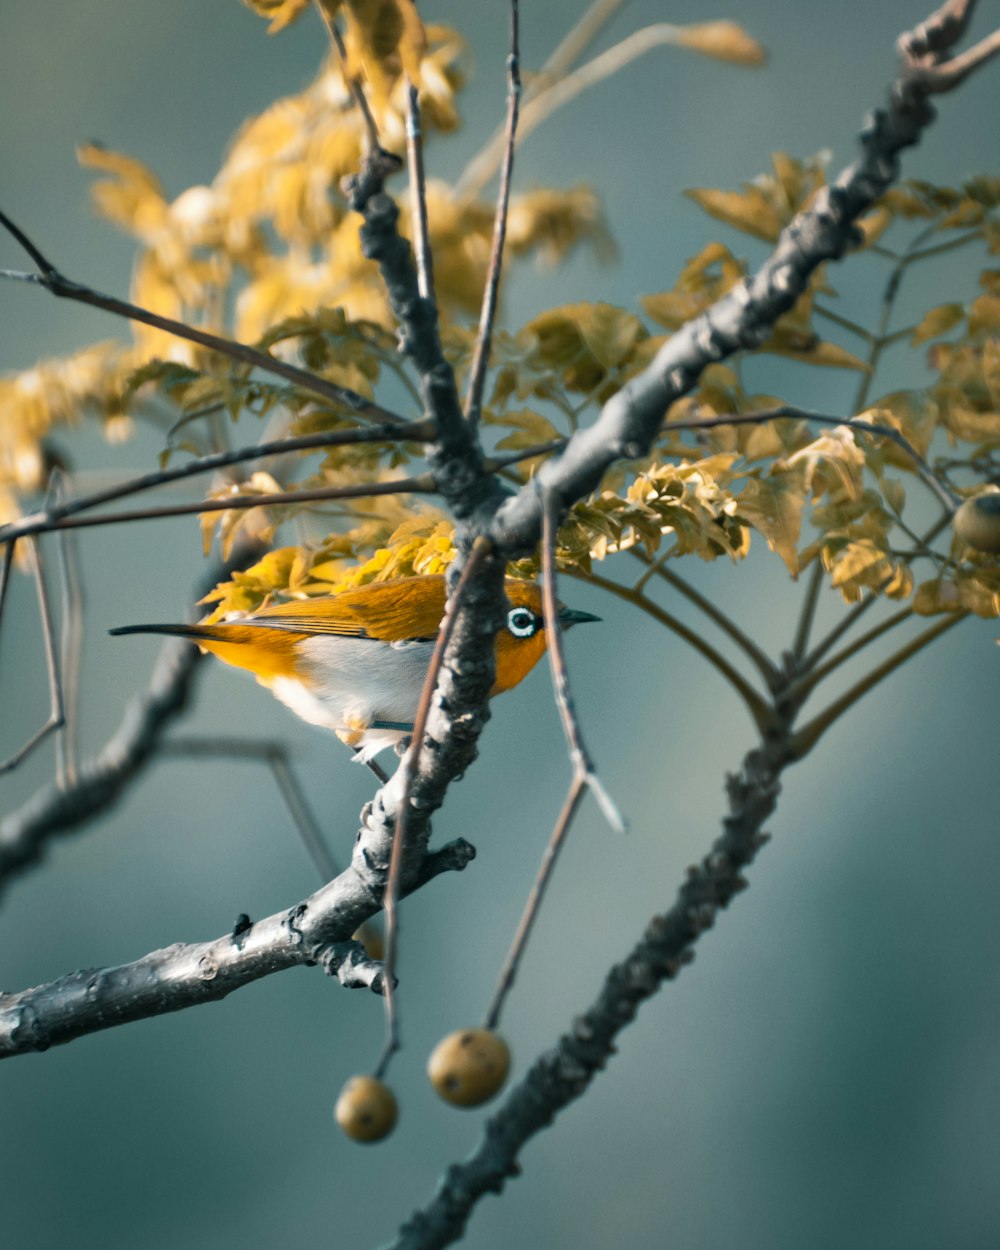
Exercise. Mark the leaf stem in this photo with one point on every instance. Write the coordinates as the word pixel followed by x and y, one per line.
pixel 805 684
pixel 484 338
pixel 806 738
pixel 746 644
pixel 758 708
pixel 808 613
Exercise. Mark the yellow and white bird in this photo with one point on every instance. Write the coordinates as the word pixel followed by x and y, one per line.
pixel 356 662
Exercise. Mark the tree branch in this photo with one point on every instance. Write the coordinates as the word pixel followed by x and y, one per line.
pixel 484 338
pixel 57 714
pixel 24 834
pixel 62 287
pixel 41 523
pixel 316 931
pixel 630 420
pixel 417 431
pixel 563 1074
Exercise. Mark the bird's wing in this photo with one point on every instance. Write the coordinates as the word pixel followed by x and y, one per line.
pixel 398 611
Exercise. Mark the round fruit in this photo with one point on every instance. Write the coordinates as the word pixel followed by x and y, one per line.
pixel 468 1067
pixel 977 521
pixel 366 1109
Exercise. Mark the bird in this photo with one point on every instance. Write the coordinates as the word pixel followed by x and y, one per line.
pixel 355 662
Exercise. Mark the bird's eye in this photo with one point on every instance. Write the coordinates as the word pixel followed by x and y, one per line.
pixel 522 622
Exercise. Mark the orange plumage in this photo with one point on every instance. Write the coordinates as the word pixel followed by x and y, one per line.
pixel 355 662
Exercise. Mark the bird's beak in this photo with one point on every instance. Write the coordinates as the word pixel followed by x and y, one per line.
pixel 571 616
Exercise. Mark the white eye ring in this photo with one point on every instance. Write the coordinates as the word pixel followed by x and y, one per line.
pixel 521 622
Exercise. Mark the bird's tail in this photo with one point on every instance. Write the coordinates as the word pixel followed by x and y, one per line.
pixel 267 653
pixel 195 632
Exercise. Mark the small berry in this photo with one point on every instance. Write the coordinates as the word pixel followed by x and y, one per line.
pixel 977 521
pixel 366 1109
pixel 468 1067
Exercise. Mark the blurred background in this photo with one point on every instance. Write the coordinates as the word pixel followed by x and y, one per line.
pixel 827 1072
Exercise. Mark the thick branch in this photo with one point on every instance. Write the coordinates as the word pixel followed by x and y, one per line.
pixel 455 456
pixel 315 931
pixel 631 419
pixel 563 1074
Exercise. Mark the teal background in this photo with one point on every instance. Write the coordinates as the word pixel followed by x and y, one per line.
pixel 827 1072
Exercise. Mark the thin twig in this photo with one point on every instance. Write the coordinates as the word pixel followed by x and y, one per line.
pixel 418 194
pixel 746 644
pixel 806 738
pixel 808 613
pixel 584 774
pixel 483 165
pixel 353 84
pixel 6 565
pixel 575 42
pixel 950 246
pixel 844 322
pixel 70 648
pixel 789 412
pixel 484 337
pixel 881 339
pixel 576 792
pixel 57 717
pixel 838 631
pixel 802 686
pixel 41 524
pixel 406 772
pixel 65 288
pixel 554 96
pixel 583 765
pixel 275 756
pixel 417 431
pixel 758 707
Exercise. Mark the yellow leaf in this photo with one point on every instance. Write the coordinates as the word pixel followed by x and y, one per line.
pixel 671 308
pixel 937 321
pixel 132 196
pixel 810 350
pixel 831 462
pixel 749 210
pixel 979 590
pixel 775 510
pixel 874 224
pixel 584 342
pixel 726 41
pixel 936 595
pixel 984 315
pixel 384 38
pixel 763 440
pixel 280 13
pixel 854 561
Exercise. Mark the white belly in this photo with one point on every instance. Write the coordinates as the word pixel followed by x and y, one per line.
pixel 347 684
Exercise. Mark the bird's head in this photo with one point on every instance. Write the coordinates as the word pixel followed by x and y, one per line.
pixel 521 642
